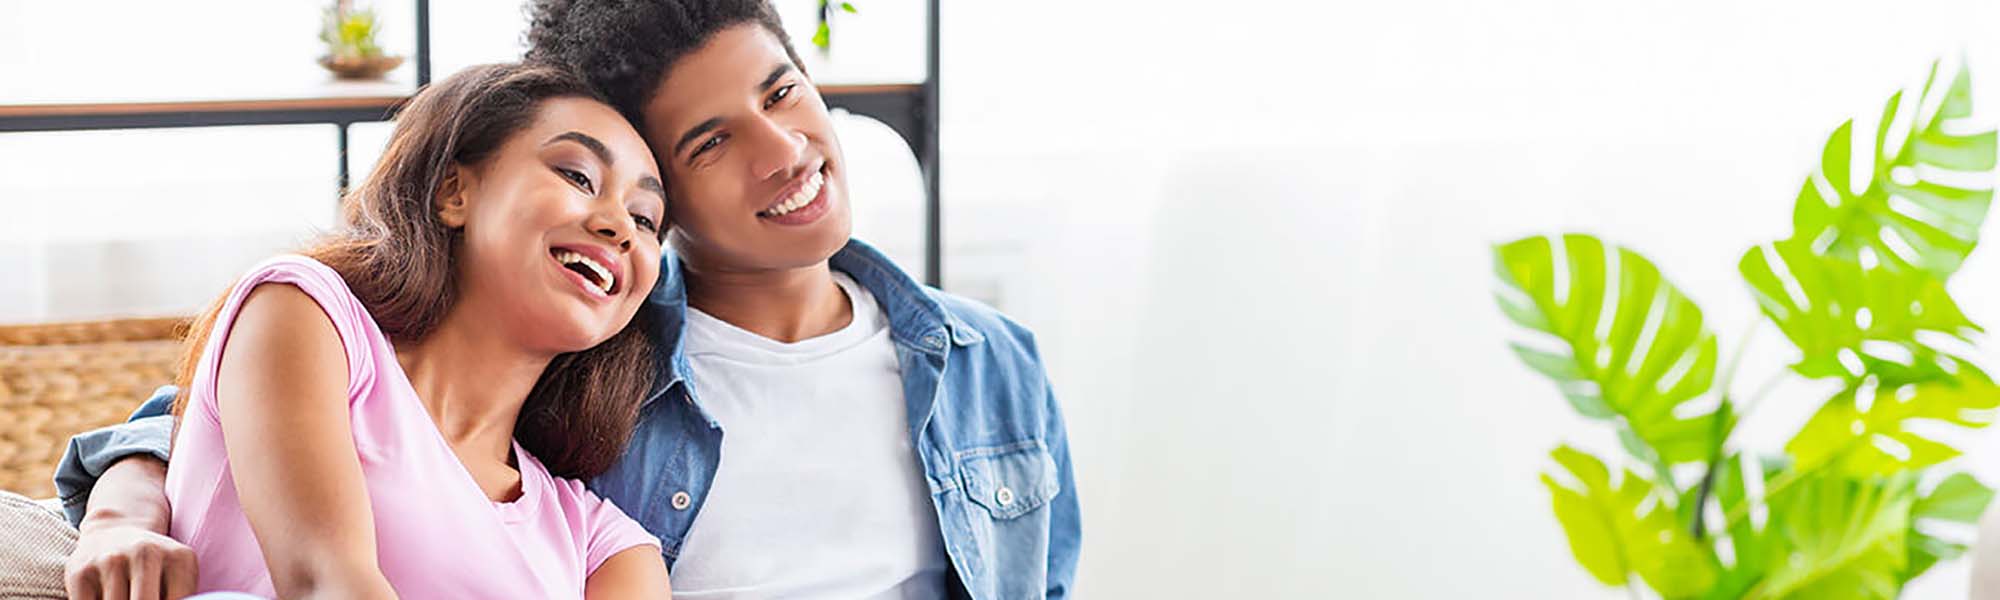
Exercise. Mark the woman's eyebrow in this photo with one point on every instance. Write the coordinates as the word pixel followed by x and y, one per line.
pixel 582 139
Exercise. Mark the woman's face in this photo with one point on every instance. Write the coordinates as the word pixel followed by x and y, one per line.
pixel 561 226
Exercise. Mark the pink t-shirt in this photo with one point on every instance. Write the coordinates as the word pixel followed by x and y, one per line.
pixel 436 532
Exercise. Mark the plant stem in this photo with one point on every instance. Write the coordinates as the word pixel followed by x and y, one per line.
pixel 1721 429
pixel 1788 478
pixel 1764 389
pixel 1708 476
pixel 1736 358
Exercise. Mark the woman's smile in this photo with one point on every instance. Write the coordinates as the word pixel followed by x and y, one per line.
pixel 591 269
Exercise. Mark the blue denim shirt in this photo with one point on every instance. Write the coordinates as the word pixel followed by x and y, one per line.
pixel 982 418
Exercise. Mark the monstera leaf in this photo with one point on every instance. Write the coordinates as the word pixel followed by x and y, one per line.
pixel 1850 321
pixel 1913 215
pixel 1832 537
pixel 1958 499
pixel 1864 431
pixel 1617 529
pixel 1627 346
pixel 1759 551
pixel 1860 289
pixel 1747 542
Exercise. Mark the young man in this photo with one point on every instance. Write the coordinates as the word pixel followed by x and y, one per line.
pixel 823 425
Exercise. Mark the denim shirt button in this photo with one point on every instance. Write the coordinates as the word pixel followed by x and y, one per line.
pixel 934 341
pixel 682 500
pixel 1005 496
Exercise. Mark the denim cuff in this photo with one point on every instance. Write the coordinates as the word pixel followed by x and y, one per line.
pixel 90 453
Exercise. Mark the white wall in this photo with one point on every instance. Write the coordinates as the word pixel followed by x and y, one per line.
pixel 1253 238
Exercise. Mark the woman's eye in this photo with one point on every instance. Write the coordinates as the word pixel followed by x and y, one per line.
pixel 576 177
pixel 781 94
pixel 646 222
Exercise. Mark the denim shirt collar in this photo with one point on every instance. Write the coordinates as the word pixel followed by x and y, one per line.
pixel 917 320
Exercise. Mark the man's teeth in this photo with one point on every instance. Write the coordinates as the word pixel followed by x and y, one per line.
pixel 805 195
pixel 604 279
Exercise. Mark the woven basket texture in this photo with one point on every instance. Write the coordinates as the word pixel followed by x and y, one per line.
pixel 61 379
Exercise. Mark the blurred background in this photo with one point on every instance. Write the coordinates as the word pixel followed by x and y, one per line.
pixel 1255 240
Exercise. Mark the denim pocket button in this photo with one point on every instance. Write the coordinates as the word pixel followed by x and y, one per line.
pixel 682 500
pixel 1010 479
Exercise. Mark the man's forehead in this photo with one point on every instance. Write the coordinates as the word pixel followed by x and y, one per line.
pixel 732 64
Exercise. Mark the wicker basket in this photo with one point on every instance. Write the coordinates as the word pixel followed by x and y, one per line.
pixel 61 379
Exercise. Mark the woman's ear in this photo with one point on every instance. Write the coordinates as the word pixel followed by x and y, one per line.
pixel 454 196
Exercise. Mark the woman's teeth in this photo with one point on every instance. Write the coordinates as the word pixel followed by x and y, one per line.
pixel 596 273
pixel 804 196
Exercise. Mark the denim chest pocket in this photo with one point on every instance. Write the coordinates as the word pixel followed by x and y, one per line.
pixel 1010 480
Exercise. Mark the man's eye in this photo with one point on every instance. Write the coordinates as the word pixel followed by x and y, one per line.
pixel 781 94
pixel 705 146
pixel 578 178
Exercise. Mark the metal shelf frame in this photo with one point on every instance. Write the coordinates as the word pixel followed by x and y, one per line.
pixel 910 109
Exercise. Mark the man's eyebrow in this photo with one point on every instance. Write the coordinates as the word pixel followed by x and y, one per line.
pixel 591 143
pixel 704 127
pixel 652 184
pixel 776 72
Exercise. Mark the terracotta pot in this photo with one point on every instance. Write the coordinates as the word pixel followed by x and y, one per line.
pixel 360 67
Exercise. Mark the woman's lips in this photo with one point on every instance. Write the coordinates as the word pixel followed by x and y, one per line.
pixel 583 284
pixel 590 267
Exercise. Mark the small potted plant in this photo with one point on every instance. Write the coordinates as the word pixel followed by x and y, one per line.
pixel 823 36
pixel 351 50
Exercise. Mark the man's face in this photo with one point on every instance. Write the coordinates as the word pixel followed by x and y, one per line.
pixel 754 174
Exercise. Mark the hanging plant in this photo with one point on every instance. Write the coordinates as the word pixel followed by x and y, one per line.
pixel 823 36
pixel 352 50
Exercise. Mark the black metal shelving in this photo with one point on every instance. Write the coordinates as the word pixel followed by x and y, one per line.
pixel 910 109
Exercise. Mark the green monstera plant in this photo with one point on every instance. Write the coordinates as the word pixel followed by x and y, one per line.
pixel 1852 505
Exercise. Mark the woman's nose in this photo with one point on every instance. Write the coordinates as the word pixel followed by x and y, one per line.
pixel 612 228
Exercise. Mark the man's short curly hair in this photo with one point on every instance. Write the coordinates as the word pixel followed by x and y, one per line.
pixel 624 47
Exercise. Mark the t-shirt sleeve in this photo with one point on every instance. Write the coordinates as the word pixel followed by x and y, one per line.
pixel 350 319
pixel 611 532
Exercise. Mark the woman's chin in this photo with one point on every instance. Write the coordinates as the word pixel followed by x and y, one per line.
pixel 561 336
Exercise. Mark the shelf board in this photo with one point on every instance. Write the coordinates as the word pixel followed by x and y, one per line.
pixel 199 106
pixel 852 89
pixel 331 103
pixel 322 101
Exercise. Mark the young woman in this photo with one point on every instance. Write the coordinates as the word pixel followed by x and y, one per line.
pixel 405 408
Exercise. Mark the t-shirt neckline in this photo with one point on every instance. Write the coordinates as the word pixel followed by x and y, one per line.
pixel 710 335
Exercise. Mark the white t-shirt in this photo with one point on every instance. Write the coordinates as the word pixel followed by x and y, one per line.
pixel 819 494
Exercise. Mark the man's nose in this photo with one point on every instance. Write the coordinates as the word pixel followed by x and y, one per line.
pixel 777 148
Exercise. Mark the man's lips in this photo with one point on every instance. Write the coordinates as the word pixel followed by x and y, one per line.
pixel 802 190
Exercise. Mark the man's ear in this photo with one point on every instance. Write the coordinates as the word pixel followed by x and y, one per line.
pixel 454 196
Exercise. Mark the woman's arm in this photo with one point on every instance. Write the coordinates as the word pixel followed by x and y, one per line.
pixel 281 393
pixel 635 572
